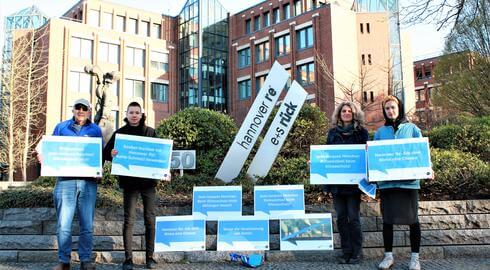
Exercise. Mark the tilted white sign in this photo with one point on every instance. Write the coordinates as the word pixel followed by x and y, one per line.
pixel 278 131
pixel 253 123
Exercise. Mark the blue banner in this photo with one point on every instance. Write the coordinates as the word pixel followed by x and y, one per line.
pixel 307 232
pixel 140 156
pixel 180 234
pixel 213 203
pixel 71 156
pixel 244 234
pixel 277 201
pixel 337 164
pixel 400 159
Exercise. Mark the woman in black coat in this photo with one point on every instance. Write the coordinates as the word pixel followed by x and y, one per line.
pixel 348 128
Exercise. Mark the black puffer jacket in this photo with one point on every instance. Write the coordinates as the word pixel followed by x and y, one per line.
pixel 129 182
pixel 359 136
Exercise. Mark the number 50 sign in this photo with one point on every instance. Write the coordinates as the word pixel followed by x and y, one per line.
pixel 183 159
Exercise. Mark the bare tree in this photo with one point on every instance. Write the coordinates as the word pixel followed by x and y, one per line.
pixel 24 80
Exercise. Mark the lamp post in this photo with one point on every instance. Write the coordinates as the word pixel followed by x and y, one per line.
pixel 103 116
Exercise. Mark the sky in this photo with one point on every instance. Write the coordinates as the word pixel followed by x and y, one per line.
pixel 426 41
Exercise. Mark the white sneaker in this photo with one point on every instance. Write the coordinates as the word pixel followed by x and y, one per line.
pixel 386 263
pixel 414 264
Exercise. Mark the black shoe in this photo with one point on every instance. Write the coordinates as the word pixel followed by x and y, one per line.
pixel 344 259
pixel 355 260
pixel 151 263
pixel 62 266
pixel 87 266
pixel 127 265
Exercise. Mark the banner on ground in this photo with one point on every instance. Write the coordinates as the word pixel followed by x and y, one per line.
pixel 274 202
pixel 180 233
pixel 244 233
pixel 216 202
pixel 307 232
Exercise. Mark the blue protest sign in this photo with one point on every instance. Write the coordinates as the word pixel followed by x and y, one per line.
pixel 307 232
pixel 367 188
pixel 400 159
pixel 141 156
pixel 180 233
pixel 245 233
pixel 71 156
pixel 337 164
pixel 274 202
pixel 212 203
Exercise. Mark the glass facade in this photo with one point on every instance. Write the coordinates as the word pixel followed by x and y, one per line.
pixel 203 55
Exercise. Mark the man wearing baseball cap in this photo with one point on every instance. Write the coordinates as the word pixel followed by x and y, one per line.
pixel 76 194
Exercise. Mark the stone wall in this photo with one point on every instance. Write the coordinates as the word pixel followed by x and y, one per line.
pixel 449 229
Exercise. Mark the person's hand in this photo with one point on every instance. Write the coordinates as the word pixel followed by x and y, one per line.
pixel 114 152
pixel 166 177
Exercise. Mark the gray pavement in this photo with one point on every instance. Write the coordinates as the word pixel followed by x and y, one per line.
pixel 436 264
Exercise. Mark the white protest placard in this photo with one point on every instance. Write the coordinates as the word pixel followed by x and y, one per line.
pixel 244 233
pixel 400 159
pixel 274 202
pixel 278 131
pixel 253 124
pixel 71 156
pixel 141 156
pixel 217 202
pixel 307 232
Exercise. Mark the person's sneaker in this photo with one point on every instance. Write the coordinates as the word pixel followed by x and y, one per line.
pixel 414 264
pixel 151 263
pixel 344 259
pixel 62 266
pixel 355 260
pixel 87 266
pixel 127 265
pixel 386 263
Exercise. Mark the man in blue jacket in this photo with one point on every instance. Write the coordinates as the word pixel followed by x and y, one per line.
pixel 76 194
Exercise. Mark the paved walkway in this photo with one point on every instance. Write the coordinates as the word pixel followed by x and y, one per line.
pixel 440 264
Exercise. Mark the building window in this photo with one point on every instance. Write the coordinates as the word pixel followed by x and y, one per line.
pixel 107 21
pixel 310 5
pixel 159 92
pixel 418 95
pixel 364 96
pixel 369 59
pixel 145 28
pixel 93 17
pixel 362 28
pixel 244 58
pixel 244 89
pixel 428 72
pixel 135 57
pixel 157 30
pixel 368 28
pixel 298 6
pixel 363 59
pixel 159 61
pixel 120 23
pixel 276 14
pixel 109 53
pixel 132 26
pixel 259 82
pixel 306 74
pixel 261 52
pixel 80 82
pixel 418 73
pixel 81 48
pixel 305 38
pixel 248 27
pixel 286 11
pixel 371 95
pixel 282 45
pixel 267 20
pixel 115 118
pixel 134 89
pixel 257 23
pixel 290 79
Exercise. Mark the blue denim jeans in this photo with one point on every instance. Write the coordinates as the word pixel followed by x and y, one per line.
pixel 72 196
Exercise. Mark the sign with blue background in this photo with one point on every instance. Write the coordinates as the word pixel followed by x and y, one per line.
pixel 307 232
pixel 245 233
pixel 274 202
pixel 400 159
pixel 337 164
pixel 71 156
pixel 141 156
pixel 212 203
pixel 180 233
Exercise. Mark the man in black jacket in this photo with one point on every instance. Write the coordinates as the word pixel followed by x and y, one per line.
pixel 134 186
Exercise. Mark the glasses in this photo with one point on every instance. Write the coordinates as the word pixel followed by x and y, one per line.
pixel 81 107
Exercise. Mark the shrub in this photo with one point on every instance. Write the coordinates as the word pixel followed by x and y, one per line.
pixel 208 132
pixel 458 175
pixel 464 134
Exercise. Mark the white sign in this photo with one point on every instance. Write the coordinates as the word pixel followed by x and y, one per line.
pixel 278 131
pixel 253 123
pixel 307 232
pixel 183 159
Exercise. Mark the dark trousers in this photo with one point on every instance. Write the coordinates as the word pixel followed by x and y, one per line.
pixel 347 208
pixel 415 237
pixel 130 200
